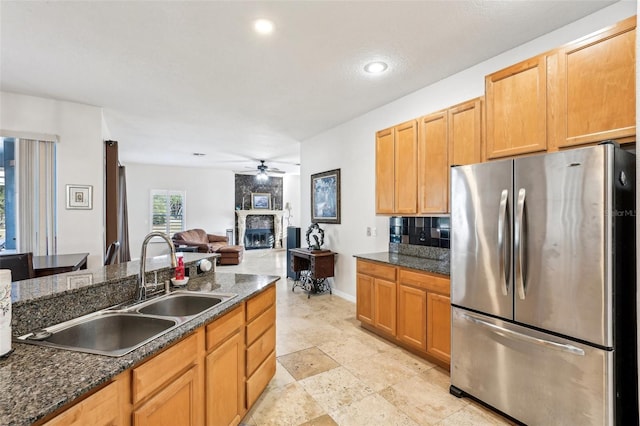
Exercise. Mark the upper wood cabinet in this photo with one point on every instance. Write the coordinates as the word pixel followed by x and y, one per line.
pixel 592 86
pixel 517 109
pixel 385 168
pixel 465 132
pixel 433 163
pixel 396 169
pixel 451 136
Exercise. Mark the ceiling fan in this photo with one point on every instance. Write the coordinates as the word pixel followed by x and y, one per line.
pixel 263 171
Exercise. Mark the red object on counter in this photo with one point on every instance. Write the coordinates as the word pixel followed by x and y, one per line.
pixel 180 268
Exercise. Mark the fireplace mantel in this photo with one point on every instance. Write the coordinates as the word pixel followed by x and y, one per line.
pixel 277 223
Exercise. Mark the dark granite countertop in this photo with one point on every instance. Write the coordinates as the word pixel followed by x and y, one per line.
pixel 436 266
pixel 54 285
pixel 37 380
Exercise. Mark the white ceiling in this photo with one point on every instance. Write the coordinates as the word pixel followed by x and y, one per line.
pixel 177 77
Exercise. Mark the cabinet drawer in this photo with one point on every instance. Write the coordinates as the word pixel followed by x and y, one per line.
pixel 219 330
pixel 377 270
pixel 260 303
pixel 101 408
pixel 426 281
pixel 260 349
pixel 157 371
pixel 259 380
pixel 258 326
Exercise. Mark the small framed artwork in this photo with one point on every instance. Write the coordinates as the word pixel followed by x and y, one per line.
pixel 260 201
pixel 80 197
pixel 325 197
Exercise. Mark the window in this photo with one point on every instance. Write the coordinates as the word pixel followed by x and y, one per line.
pixel 167 211
pixel 28 195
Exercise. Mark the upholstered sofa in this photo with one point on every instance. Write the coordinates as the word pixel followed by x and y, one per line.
pixel 210 243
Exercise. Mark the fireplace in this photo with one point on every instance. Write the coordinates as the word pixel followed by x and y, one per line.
pixel 258 238
pixel 246 223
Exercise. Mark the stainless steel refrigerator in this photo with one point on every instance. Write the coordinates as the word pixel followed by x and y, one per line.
pixel 543 287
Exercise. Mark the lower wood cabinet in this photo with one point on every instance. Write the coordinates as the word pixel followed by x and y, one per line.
pixel 224 369
pixel 376 296
pixel 102 407
pixel 412 316
pixel 175 403
pixel 213 376
pixel 167 389
pixel 439 326
pixel 364 298
pixel 412 310
pixel 261 343
pixel 385 306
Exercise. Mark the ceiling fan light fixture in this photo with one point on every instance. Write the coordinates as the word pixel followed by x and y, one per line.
pixel 262 176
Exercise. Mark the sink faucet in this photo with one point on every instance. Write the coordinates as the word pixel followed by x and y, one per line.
pixel 142 282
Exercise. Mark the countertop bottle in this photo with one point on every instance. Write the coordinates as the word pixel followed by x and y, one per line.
pixel 180 266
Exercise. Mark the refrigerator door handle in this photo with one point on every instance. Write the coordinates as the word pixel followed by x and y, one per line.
pixel 503 252
pixel 519 244
pixel 523 337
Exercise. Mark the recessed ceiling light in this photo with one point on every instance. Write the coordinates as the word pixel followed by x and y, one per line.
pixel 263 26
pixel 375 67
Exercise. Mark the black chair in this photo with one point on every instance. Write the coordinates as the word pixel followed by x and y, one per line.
pixel 112 252
pixel 20 264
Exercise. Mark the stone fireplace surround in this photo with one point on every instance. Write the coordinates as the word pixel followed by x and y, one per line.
pixel 277 223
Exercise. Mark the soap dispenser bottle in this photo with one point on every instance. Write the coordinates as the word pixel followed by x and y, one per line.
pixel 180 266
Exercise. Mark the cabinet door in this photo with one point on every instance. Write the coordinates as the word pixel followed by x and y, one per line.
pixel 596 90
pixel 517 109
pixel 100 409
pixel 406 168
pixel 433 164
pixel 465 133
pixel 225 382
pixel 412 316
pixel 385 306
pixel 385 178
pixel 364 298
pixel 176 404
pixel 439 326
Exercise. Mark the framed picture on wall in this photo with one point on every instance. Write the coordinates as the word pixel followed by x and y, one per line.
pixel 325 197
pixel 260 201
pixel 79 197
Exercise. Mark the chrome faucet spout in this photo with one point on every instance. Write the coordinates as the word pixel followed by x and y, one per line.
pixel 142 282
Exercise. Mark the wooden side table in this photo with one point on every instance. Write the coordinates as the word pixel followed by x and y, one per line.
pixel 314 267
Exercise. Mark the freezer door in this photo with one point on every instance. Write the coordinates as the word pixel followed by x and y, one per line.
pixel 534 377
pixel 481 205
pixel 561 243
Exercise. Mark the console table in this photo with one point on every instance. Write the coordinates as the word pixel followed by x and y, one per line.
pixel 314 267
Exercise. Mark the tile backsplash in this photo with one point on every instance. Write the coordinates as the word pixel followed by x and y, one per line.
pixel 424 231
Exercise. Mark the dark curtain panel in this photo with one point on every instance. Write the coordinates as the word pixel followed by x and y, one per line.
pixel 123 217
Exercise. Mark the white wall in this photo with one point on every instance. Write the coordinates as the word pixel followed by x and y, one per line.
pixel 79 161
pixel 291 194
pixel 210 199
pixel 355 141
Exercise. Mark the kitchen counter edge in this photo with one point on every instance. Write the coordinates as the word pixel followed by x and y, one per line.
pixel 37 380
pixel 434 266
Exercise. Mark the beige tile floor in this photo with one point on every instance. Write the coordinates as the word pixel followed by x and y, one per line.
pixel 332 372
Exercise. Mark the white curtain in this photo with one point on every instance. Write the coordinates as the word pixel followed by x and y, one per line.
pixel 36 195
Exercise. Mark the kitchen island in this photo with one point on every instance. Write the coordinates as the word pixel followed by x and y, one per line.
pixel 38 381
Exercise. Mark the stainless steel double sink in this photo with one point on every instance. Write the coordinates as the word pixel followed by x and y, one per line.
pixel 118 331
